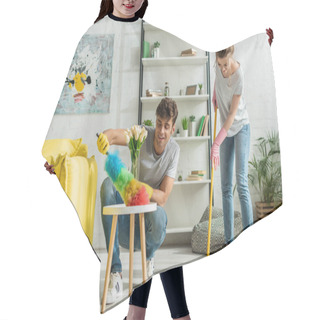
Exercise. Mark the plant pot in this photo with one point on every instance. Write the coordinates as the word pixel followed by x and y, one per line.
pixel 156 52
pixel 264 208
pixel 201 91
pixel 184 133
pixel 192 128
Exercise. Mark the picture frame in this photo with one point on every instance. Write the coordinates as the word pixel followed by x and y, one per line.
pixel 191 90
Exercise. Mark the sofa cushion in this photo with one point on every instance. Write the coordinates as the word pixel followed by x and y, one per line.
pixel 53 149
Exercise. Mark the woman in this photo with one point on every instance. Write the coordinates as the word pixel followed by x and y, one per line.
pixel 233 140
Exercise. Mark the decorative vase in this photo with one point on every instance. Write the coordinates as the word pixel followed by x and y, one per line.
pixel 156 52
pixel 135 164
pixel 192 128
pixel 185 133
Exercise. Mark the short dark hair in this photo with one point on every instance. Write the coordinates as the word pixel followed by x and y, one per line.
pixel 167 109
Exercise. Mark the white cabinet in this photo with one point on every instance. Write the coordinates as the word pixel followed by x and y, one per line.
pixel 188 199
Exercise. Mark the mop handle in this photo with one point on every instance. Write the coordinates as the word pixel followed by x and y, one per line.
pixel 211 186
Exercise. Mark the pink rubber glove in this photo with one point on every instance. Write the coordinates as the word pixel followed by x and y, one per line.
pixel 215 147
pixel 214 99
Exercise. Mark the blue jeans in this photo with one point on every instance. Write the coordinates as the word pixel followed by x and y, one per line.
pixel 155 226
pixel 236 147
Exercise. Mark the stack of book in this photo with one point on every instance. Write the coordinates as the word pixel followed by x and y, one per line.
pixel 203 127
pixel 196 175
pixel 154 93
pixel 189 53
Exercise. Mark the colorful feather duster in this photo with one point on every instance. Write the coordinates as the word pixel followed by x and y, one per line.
pixel 132 191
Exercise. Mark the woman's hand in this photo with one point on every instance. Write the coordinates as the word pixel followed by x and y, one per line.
pixel 49 168
pixel 215 159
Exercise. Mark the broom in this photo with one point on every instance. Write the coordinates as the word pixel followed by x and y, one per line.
pixel 211 187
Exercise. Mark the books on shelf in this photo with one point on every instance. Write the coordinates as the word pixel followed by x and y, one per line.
pixel 196 175
pixel 154 93
pixel 203 127
pixel 188 55
pixel 199 172
pixel 188 52
pixel 200 126
pixel 205 131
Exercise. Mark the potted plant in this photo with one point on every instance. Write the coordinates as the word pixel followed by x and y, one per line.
pixel 201 90
pixel 265 174
pixel 148 123
pixel 192 126
pixel 156 50
pixel 184 122
pixel 178 133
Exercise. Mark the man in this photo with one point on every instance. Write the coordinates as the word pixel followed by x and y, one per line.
pixel 159 157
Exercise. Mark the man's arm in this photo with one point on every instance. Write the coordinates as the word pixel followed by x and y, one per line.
pixel 116 136
pixel 160 196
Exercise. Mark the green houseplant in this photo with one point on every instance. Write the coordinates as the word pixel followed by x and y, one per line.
pixel 184 123
pixel 265 173
pixel 148 123
pixel 201 90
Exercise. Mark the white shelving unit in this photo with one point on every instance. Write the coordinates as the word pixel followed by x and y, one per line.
pixel 189 139
pixel 173 61
pixel 192 182
pixel 177 71
pixel 197 98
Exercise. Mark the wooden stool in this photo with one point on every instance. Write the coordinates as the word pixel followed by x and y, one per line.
pixel 120 209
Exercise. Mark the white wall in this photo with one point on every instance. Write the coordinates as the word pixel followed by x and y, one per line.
pixel 123 106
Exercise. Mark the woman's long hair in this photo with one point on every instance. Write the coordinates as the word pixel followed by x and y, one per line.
pixel 106 7
pixel 223 53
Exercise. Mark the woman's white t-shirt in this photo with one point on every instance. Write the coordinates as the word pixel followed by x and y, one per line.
pixel 226 88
